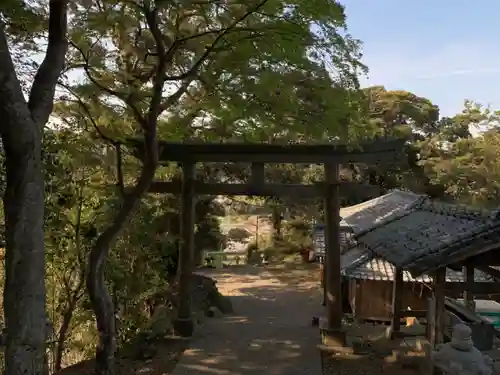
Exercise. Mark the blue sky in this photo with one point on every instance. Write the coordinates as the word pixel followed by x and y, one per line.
pixel 445 50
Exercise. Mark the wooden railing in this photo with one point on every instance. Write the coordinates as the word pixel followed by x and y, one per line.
pixel 219 258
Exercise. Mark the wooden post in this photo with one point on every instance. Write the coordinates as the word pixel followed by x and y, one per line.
pixel 184 325
pixel 257 177
pixel 333 334
pixel 430 328
pixel 439 303
pixel 397 301
pixel 468 271
pixel 322 276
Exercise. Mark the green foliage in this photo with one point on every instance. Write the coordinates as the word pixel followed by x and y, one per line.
pixel 252 70
pixel 399 113
pixel 298 233
pixel 466 167
pixel 145 257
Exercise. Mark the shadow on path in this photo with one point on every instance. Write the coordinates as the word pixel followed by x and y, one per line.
pixel 270 332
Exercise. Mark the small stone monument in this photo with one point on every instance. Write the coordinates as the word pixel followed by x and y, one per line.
pixel 460 357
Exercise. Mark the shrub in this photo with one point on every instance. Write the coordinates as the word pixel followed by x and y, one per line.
pixel 252 248
pixel 298 234
pixel 238 234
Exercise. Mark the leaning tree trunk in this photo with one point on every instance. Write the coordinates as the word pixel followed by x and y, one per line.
pixel 103 308
pixel 100 298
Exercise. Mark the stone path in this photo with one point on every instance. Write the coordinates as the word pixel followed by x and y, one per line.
pixel 270 332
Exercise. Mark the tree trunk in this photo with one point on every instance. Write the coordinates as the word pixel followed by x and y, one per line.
pixel 24 290
pixel 101 301
pixel 103 308
pixel 277 225
pixel 21 132
pixel 63 331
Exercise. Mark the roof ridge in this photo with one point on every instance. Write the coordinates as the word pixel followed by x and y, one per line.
pixel 407 192
pixel 456 209
pixel 392 191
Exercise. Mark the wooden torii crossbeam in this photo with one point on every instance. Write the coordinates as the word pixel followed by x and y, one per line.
pixel 380 150
pixel 331 156
pixel 262 189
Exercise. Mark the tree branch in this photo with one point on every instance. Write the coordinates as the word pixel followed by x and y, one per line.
pixel 119 160
pixel 196 66
pixel 159 78
pixel 88 113
pixel 10 92
pixel 119 170
pixel 41 99
pixel 123 97
pixel 172 99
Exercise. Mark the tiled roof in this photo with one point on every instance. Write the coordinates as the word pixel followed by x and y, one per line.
pixel 431 235
pixel 375 212
pixel 368 215
pixel 414 232
pixel 378 269
pixel 346 240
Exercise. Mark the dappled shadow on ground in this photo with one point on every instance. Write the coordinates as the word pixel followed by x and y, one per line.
pixel 305 275
pixel 270 332
pixel 167 354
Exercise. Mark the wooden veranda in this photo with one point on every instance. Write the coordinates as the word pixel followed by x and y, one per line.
pixel 331 156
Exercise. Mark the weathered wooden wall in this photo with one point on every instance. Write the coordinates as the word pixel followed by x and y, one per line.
pixel 373 298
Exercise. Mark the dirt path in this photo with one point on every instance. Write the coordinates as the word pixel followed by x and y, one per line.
pixel 270 332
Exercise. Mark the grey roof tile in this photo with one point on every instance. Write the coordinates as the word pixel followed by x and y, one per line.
pixel 354 257
pixel 375 212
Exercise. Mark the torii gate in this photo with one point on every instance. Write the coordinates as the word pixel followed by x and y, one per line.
pixel 187 154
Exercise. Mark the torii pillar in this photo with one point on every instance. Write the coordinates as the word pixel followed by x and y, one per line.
pixel 333 334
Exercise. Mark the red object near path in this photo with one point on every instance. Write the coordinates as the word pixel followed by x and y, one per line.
pixel 307 255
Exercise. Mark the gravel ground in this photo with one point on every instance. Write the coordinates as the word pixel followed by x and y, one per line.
pixel 270 332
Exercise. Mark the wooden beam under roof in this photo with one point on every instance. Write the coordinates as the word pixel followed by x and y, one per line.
pixel 478 288
pixel 490 258
pixel 493 272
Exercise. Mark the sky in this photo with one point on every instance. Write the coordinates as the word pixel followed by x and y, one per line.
pixel 446 50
